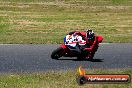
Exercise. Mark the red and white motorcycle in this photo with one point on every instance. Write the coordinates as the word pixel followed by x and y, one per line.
pixel 72 47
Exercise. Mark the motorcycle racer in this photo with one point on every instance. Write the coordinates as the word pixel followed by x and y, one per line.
pixel 92 42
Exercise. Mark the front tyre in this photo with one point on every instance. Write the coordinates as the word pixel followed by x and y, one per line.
pixel 57 53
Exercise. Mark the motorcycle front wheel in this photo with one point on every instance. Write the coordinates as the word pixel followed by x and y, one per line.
pixel 57 53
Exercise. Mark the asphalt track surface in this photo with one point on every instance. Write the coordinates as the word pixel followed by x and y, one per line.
pixel 36 58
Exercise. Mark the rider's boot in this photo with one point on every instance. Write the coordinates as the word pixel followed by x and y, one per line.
pixel 90 56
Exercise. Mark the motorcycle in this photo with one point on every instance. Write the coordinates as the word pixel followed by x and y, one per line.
pixel 73 46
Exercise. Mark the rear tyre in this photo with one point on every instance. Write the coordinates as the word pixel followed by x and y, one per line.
pixel 57 53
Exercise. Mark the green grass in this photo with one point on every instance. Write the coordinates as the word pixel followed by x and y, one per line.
pixel 47 21
pixel 53 79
